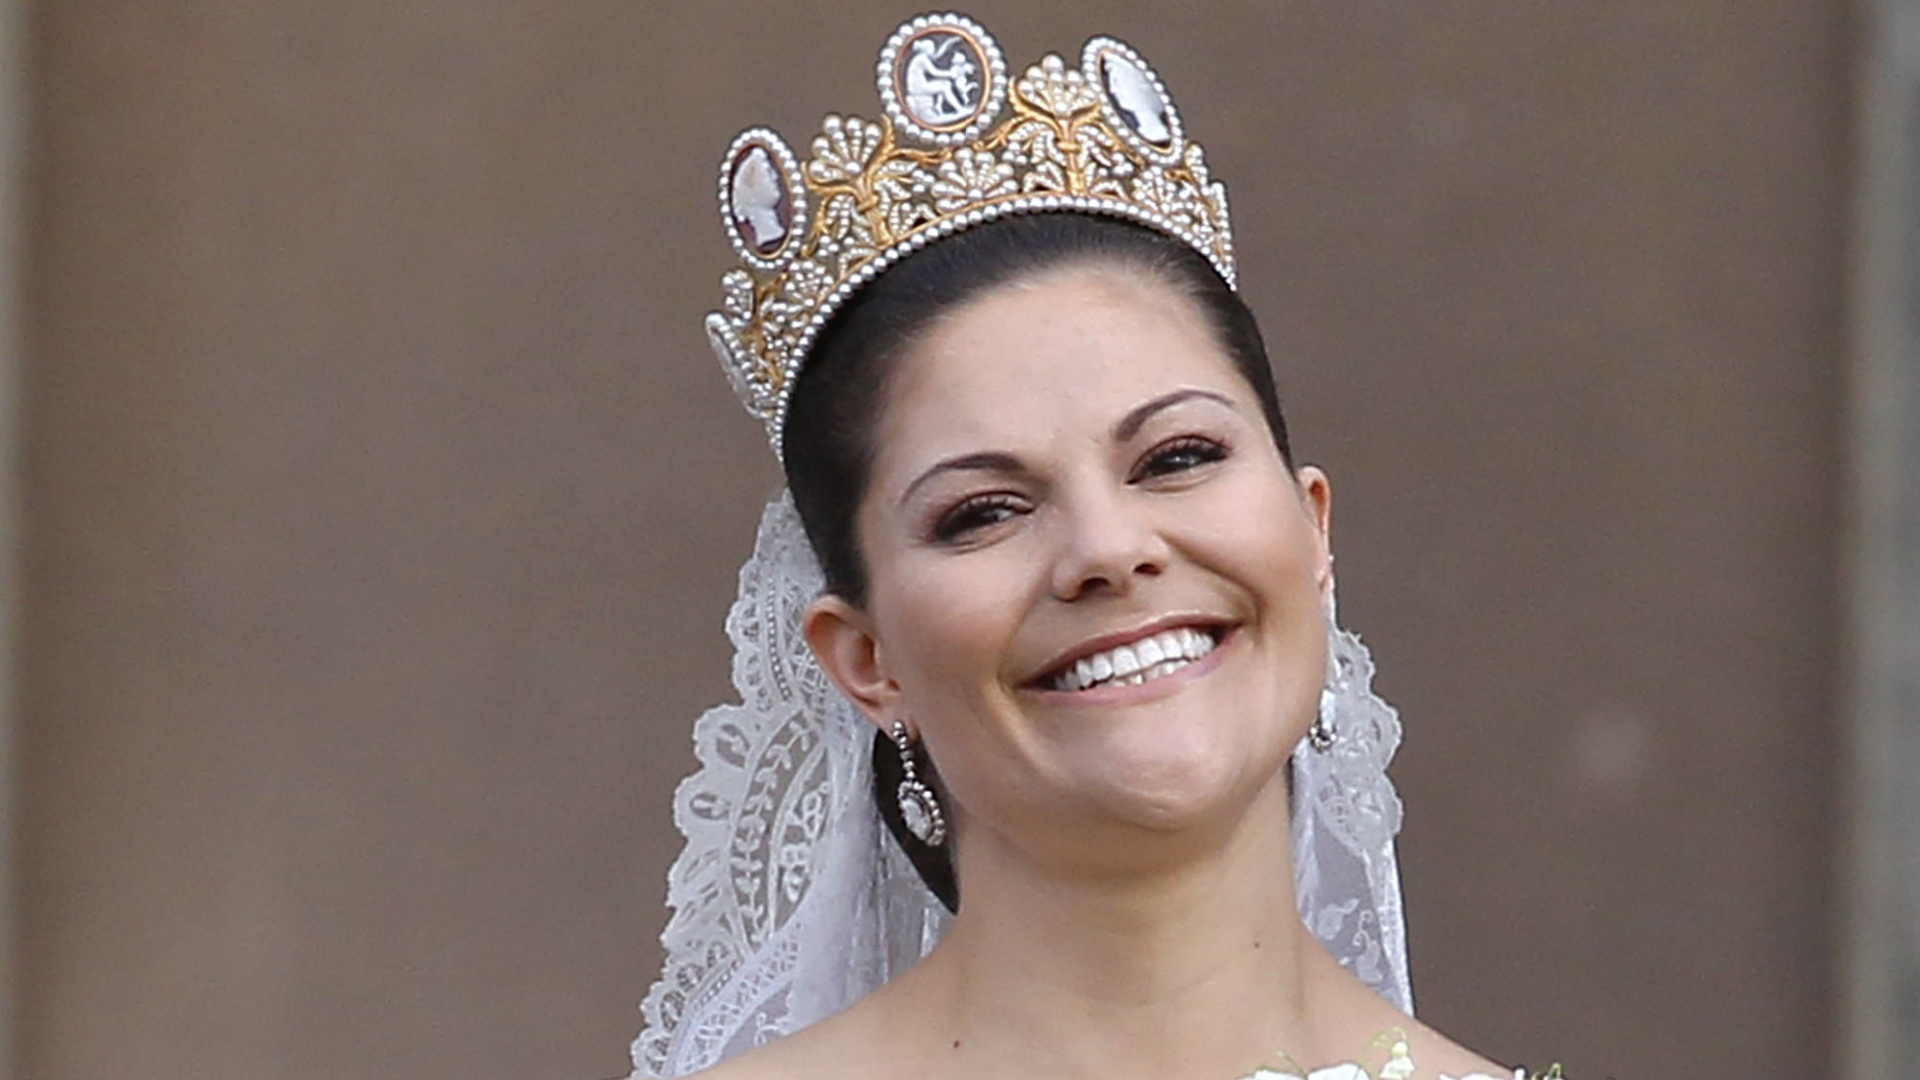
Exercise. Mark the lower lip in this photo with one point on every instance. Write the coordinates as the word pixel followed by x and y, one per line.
pixel 1151 690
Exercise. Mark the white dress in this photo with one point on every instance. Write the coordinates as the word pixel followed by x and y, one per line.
pixel 1398 1066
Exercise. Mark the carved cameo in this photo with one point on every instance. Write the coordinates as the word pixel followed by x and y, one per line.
pixel 942 78
pixel 1133 100
pixel 1140 103
pixel 762 208
pixel 761 199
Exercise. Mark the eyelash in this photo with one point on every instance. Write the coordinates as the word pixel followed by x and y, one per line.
pixel 1174 456
pixel 971 513
pixel 1198 450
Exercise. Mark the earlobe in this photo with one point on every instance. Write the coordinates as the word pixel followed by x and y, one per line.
pixel 842 640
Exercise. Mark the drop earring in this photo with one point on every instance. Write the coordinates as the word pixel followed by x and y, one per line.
pixel 918 806
pixel 1320 732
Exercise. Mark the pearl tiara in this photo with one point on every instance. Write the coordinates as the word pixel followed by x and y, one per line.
pixel 1103 138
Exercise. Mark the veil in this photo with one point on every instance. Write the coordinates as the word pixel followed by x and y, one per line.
pixel 790 900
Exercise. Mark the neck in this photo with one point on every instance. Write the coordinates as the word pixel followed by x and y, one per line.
pixel 1196 968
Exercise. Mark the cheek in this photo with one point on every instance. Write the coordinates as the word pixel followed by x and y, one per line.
pixel 1269 548
pixel 1260 534
pixel 944 622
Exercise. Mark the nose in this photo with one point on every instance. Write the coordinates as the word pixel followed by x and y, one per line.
pixel 1109 542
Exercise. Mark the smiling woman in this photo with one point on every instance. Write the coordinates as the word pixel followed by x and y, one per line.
pixel 1118 494
pixel 1062 574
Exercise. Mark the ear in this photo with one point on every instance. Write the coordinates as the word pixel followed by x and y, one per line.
pixel 1316 497
pixel 842 640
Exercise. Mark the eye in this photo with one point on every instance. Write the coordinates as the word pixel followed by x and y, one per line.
pixel 1179 455
pixel 975 513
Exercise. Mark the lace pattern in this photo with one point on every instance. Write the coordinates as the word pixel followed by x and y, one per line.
pixel 1345 816
pixel 790 901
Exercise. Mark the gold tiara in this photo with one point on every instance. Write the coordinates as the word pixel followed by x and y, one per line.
pixel 1104 138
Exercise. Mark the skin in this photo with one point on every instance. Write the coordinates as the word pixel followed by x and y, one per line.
pixel 1063 463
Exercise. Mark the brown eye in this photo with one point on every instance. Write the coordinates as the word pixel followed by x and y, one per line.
pixel 1178 456
pixel 975 514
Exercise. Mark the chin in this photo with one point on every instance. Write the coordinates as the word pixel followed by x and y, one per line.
pixel 1173 777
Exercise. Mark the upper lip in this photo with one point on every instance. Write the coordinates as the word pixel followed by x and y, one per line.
pixel 1124 637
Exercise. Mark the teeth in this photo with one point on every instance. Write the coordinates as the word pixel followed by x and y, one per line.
pixel 1102 669
pixel 1143 660
pixel 1150 652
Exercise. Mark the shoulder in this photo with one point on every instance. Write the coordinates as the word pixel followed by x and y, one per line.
pixel 770 1062
pixel 846 1047
pixel 1444 1059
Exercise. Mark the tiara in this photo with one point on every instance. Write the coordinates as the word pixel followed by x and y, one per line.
pixel 956 146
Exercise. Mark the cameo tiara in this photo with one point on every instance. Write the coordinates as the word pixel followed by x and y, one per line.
pixel 956 146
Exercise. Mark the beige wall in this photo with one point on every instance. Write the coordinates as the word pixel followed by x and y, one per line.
pixel 13 111
pixel 1880 1029
pixel 382 500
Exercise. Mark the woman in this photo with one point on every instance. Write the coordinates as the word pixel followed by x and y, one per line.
pixel 1060 563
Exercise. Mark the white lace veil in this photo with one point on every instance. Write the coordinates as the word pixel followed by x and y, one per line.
pixel 791 901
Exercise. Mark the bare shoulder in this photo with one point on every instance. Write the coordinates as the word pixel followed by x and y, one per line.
pixel 843 1047
pixel 1437 1056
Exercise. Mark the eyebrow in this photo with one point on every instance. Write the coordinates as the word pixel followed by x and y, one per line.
pixel 1130 424
pixel 1126 428
pixel 984 461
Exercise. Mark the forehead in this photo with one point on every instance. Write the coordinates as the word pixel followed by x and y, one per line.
pixel 1063 353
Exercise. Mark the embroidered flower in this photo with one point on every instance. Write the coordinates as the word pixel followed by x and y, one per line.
pixel 1399 1064
pixel 1348 1071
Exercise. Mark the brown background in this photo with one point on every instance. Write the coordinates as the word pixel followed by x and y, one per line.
pixel 382 499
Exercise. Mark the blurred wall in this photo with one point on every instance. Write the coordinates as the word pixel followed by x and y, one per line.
pixel 1880 1004
pixel 382 501
pixel 12 166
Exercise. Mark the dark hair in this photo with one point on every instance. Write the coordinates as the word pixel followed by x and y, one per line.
pixel 827 443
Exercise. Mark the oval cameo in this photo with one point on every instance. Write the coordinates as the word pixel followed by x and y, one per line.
pixel 759 201
pixel 1137 97
pixel 941 78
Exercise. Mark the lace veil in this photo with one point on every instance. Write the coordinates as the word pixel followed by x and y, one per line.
pixel 791 901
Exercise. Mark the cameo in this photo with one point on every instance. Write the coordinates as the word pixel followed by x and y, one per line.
pixel 1133 100
pixel 1133 94
pixel 942 79
pixel 757 195
pixel 762 201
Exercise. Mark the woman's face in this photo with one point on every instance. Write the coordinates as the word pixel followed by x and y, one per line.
pixel 1095 589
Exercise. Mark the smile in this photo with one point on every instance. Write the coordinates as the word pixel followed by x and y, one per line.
pixel 1137 662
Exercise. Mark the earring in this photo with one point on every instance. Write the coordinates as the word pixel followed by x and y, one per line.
pixel 1320 732
pixel 918 807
